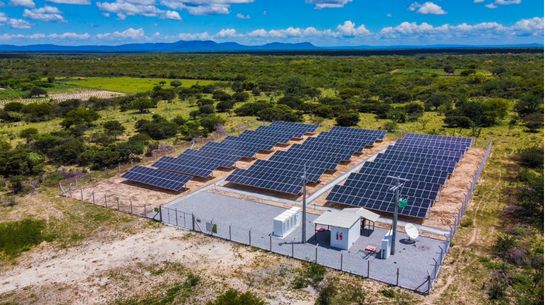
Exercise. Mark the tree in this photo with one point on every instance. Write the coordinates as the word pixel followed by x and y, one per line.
pixel 206 109
pixel 37 91
pixel 13 106
pixel 448 69
pixel 51 79
pixel 28 133
pixel 458 121
pixel 79 116
pixel 435 101
pixel 414 110
pixel 142 103
pixel 348 119
pixel 221 95
pixel 397 115
pixel 499 106
pixel 241 96
pixel 347 93
pixel 114 128
pixel 212 121
pixel 225 106
pixel 498 71
pixel 175 83
pixel 294 85
pixel 529 104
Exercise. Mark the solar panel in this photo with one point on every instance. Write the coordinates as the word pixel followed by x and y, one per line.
pixel 200 170
pixel 356 131
pixel 237 150
pixel 431 144
pixel 206 154
pixel 458 153
pixel 423 155
pixel 287 169
pixel 451 165
pixel 284 184
pixel 457 140
pixel 158 178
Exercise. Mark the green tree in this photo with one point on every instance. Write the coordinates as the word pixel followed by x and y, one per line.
pixel 175 83
pixel 28 133
pixel 142 104
pixel 212 121
pixel 294 85
pixel 414 110
pixel 79 116
pixel 37 91
pixel 13 106
pixel 448 69
pixel 529 104
pixel 114 127
pixel 348 119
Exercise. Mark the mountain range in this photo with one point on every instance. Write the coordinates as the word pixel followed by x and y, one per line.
pixel 211 46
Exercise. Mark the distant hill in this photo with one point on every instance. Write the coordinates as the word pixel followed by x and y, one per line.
pixel 212 46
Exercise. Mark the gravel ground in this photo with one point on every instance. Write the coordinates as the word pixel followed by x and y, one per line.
pixel 234 218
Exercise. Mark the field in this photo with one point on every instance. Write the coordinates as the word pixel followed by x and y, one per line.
pixel 89 254
pixel 129 84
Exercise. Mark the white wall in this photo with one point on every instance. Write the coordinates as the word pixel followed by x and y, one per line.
pixel 349 236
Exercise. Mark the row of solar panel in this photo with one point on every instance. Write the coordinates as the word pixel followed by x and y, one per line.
pixel 318 154
pixel 203 162
pixel 155 177
pixel 427 161
pixel 457 140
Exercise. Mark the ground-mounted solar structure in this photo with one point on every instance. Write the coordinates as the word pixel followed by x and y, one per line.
pixel 425 160
pixel 158 178
pixel 173 173
pixel 203 162
pixel 284 170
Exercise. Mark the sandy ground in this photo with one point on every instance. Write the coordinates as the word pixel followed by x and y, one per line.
pixel 96 271
pixel 82 95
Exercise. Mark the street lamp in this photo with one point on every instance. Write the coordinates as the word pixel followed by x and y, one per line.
pixel 396 188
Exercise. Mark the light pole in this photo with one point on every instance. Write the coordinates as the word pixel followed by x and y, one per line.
pixel 304 221
pixel 396 188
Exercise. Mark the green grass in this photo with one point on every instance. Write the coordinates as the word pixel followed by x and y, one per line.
pixel 440 72
pixel 130 84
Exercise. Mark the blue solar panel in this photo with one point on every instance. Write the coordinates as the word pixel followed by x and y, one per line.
pixel 269 181
pixel 162 179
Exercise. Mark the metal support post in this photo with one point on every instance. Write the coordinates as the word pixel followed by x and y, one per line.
pixel 250 237
pixel 161 213
pixel 118 202
pixel 229 232
pixel 304 221
pixel 76 182
pixel 145 210
pixel 176 213
pixel 342 261
pixel 106 199
pixel 130 199
pixel 396 188
pixel 397 280
pixel 368 268
pixel 270 242
pixel 193 222
pixel 81 194
pixel 93 193
pixel 292 250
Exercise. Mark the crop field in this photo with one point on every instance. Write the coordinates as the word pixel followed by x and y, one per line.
pixel 130 84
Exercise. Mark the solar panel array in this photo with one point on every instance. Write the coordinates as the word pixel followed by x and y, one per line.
pixel 284 170
pixel 426 160
pixel 203 162
pixel 155 177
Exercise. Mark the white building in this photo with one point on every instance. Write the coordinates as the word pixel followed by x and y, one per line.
pixel 345 225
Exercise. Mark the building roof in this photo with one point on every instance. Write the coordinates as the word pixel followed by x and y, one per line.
pixel 363 213
pixel 345 218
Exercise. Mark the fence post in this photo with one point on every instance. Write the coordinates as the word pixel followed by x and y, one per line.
pixel 292 252
pixel 229 232
pixel 81 194
pixel 70 188
pixel 91 175
pixel 118 202
pixel 106 199
pixel 316 254
pixel 250 237
pixel 131 205
pixel 76 182
pixel 161 213
pixel 145 210
pixel 176 213
pixel 429 284
pixel 397 280
pixel 270 242
pixel 105 173
pixel 193 223
pixel 368 268
pixel 93 196
pixel 342 261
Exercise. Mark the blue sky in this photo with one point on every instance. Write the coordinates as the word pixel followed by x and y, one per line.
pixel 252 22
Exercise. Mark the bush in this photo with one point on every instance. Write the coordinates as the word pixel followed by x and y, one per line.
pixel 114 127
pixel 20 236
pixel 250 109
pixel 206 109
pixel 13 106
pixel 532 157
pixel 348 119
pixel 28 133
pixel 504 243
pixel 389 293
pixel 458 121
pixel 234 297
pixel 205 101
pixel 390 126
pixel 225 106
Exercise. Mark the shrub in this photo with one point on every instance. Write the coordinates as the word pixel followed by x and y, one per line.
pixel 390 126
pixel 348 119
pixel 532 157
pixel 225 106
pixel 28 133
pixel 19 236
pixel 234 297
pixel 389 293
pixel 458 121
pixel 206 109
pixel 13 106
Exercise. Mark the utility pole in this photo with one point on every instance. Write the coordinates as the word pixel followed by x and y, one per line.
pixel 304 221
pixel 396 188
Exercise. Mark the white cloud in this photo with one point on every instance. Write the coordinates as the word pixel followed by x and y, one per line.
pixel 349 29
pixel 389 15
pixel 265 13
pixel 198 36
pixel 321 4
pixel 128 34
pixel 146 8
pixel 2 4
pixel 496 3
pixel 19 24
pixel 204 7
pixel 46 13
pixel 240 16
pixel 532 26
pixel 76 2
pixel 414 6
pixel 478 1
pixel 172 15
pixel 227 33
pixel 69 36
pixel 24 3
pixel 430 8
pixel 290 32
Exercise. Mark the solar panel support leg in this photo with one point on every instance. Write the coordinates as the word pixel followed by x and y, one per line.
pixel 316 254
pixel 160 213
pixel 93 197
pixel 292 250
